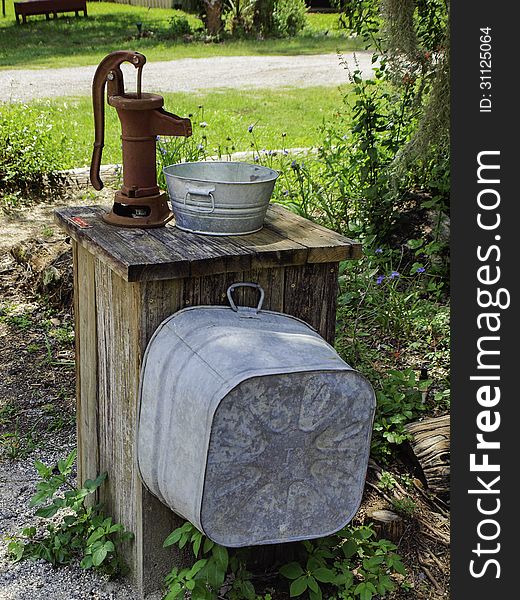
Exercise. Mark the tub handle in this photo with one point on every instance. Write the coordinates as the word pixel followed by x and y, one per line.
pixel 197 192
pixel 245 308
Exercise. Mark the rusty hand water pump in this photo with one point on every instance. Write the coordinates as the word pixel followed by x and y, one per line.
pixel 139 202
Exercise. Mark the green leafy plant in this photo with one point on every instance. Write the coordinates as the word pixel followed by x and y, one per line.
pixel 405 506
pixel 29 154
pixel 178 27
pixel 349 565
pixel 74 531
pixel 203 580
pixel 399 401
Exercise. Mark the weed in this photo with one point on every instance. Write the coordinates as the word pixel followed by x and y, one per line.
pixel 351 564
pixel 81 533
pixel 47 232
pixel 405 506
pixel 8 412
pixel 387 481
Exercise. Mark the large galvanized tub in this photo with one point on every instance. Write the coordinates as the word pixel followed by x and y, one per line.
pixel 252 427
pixel 219 198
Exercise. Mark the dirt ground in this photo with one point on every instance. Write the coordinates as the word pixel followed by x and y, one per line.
pixel 37 417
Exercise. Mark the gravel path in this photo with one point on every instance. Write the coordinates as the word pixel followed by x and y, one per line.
pixel 190 75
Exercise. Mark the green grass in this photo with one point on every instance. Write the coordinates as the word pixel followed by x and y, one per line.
pixel 70 41
pixel 228 113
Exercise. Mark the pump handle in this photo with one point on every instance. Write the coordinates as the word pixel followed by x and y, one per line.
pixel 109 72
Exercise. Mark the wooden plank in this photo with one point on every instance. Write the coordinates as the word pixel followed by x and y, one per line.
pixel 310 293
pixel 86 364
pixel 205 254
pixel 324 245
pixel 155 521
pixel 168 253
pixel 119 362
pixel 134 254
pixel 271 248
pixel 272 281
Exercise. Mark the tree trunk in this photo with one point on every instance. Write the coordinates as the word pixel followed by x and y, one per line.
pixel 431 446
pixel 213 20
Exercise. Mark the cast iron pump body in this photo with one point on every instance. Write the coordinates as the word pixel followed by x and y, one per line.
pixel 139 202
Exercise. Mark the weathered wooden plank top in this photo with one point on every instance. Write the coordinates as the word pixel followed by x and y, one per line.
pixel 169 253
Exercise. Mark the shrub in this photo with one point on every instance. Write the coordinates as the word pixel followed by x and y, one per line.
pixel 29 154
pixel 179 26
pixel 289 17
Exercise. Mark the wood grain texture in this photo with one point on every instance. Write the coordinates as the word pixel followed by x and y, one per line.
pixel 86 364
pixel 169 253
pixel 310 294
pixel 431 446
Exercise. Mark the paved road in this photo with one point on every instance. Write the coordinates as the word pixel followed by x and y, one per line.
pixel 190 75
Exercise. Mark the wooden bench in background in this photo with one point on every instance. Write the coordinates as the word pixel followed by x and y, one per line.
pixel 47 8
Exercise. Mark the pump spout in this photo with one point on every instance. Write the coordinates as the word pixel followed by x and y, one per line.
pixel 166 123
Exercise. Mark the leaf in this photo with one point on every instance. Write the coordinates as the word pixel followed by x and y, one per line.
pixel 174 591
pixel 384 584
pixel 173 538
pixel 96 535
pixel 364 592
pixel 197 540
pixel 86 562
pixel 315 595
pixel 190 584
pixel 372 563
pixel 324 575
pixel 99 556
pixel 39 497
pixel 47 511
pixel 208 545
pixel 397 564
pixel 212 574
pixel 313 563
pixel 43 470
pixel 344 579
pixel 312 584
pixel 298 586
pixel 15 550
pixel 349 548
pixel 92 485
pixel 248 590
pixel 221 556
pixel 292 570
pixel 197 567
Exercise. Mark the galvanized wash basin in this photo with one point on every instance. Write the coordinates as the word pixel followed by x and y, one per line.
pixel 251 426
pixel 219 198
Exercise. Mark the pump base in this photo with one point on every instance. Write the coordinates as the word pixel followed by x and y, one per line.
pixel 146 212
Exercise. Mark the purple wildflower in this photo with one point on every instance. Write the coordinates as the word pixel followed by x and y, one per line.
pixel 393 275
pixel 286 192
pixel 380 279
pixel 379 251
pixel 250 128
pixel 420 270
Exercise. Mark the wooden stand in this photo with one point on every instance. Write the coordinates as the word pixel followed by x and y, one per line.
pixel 126 281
